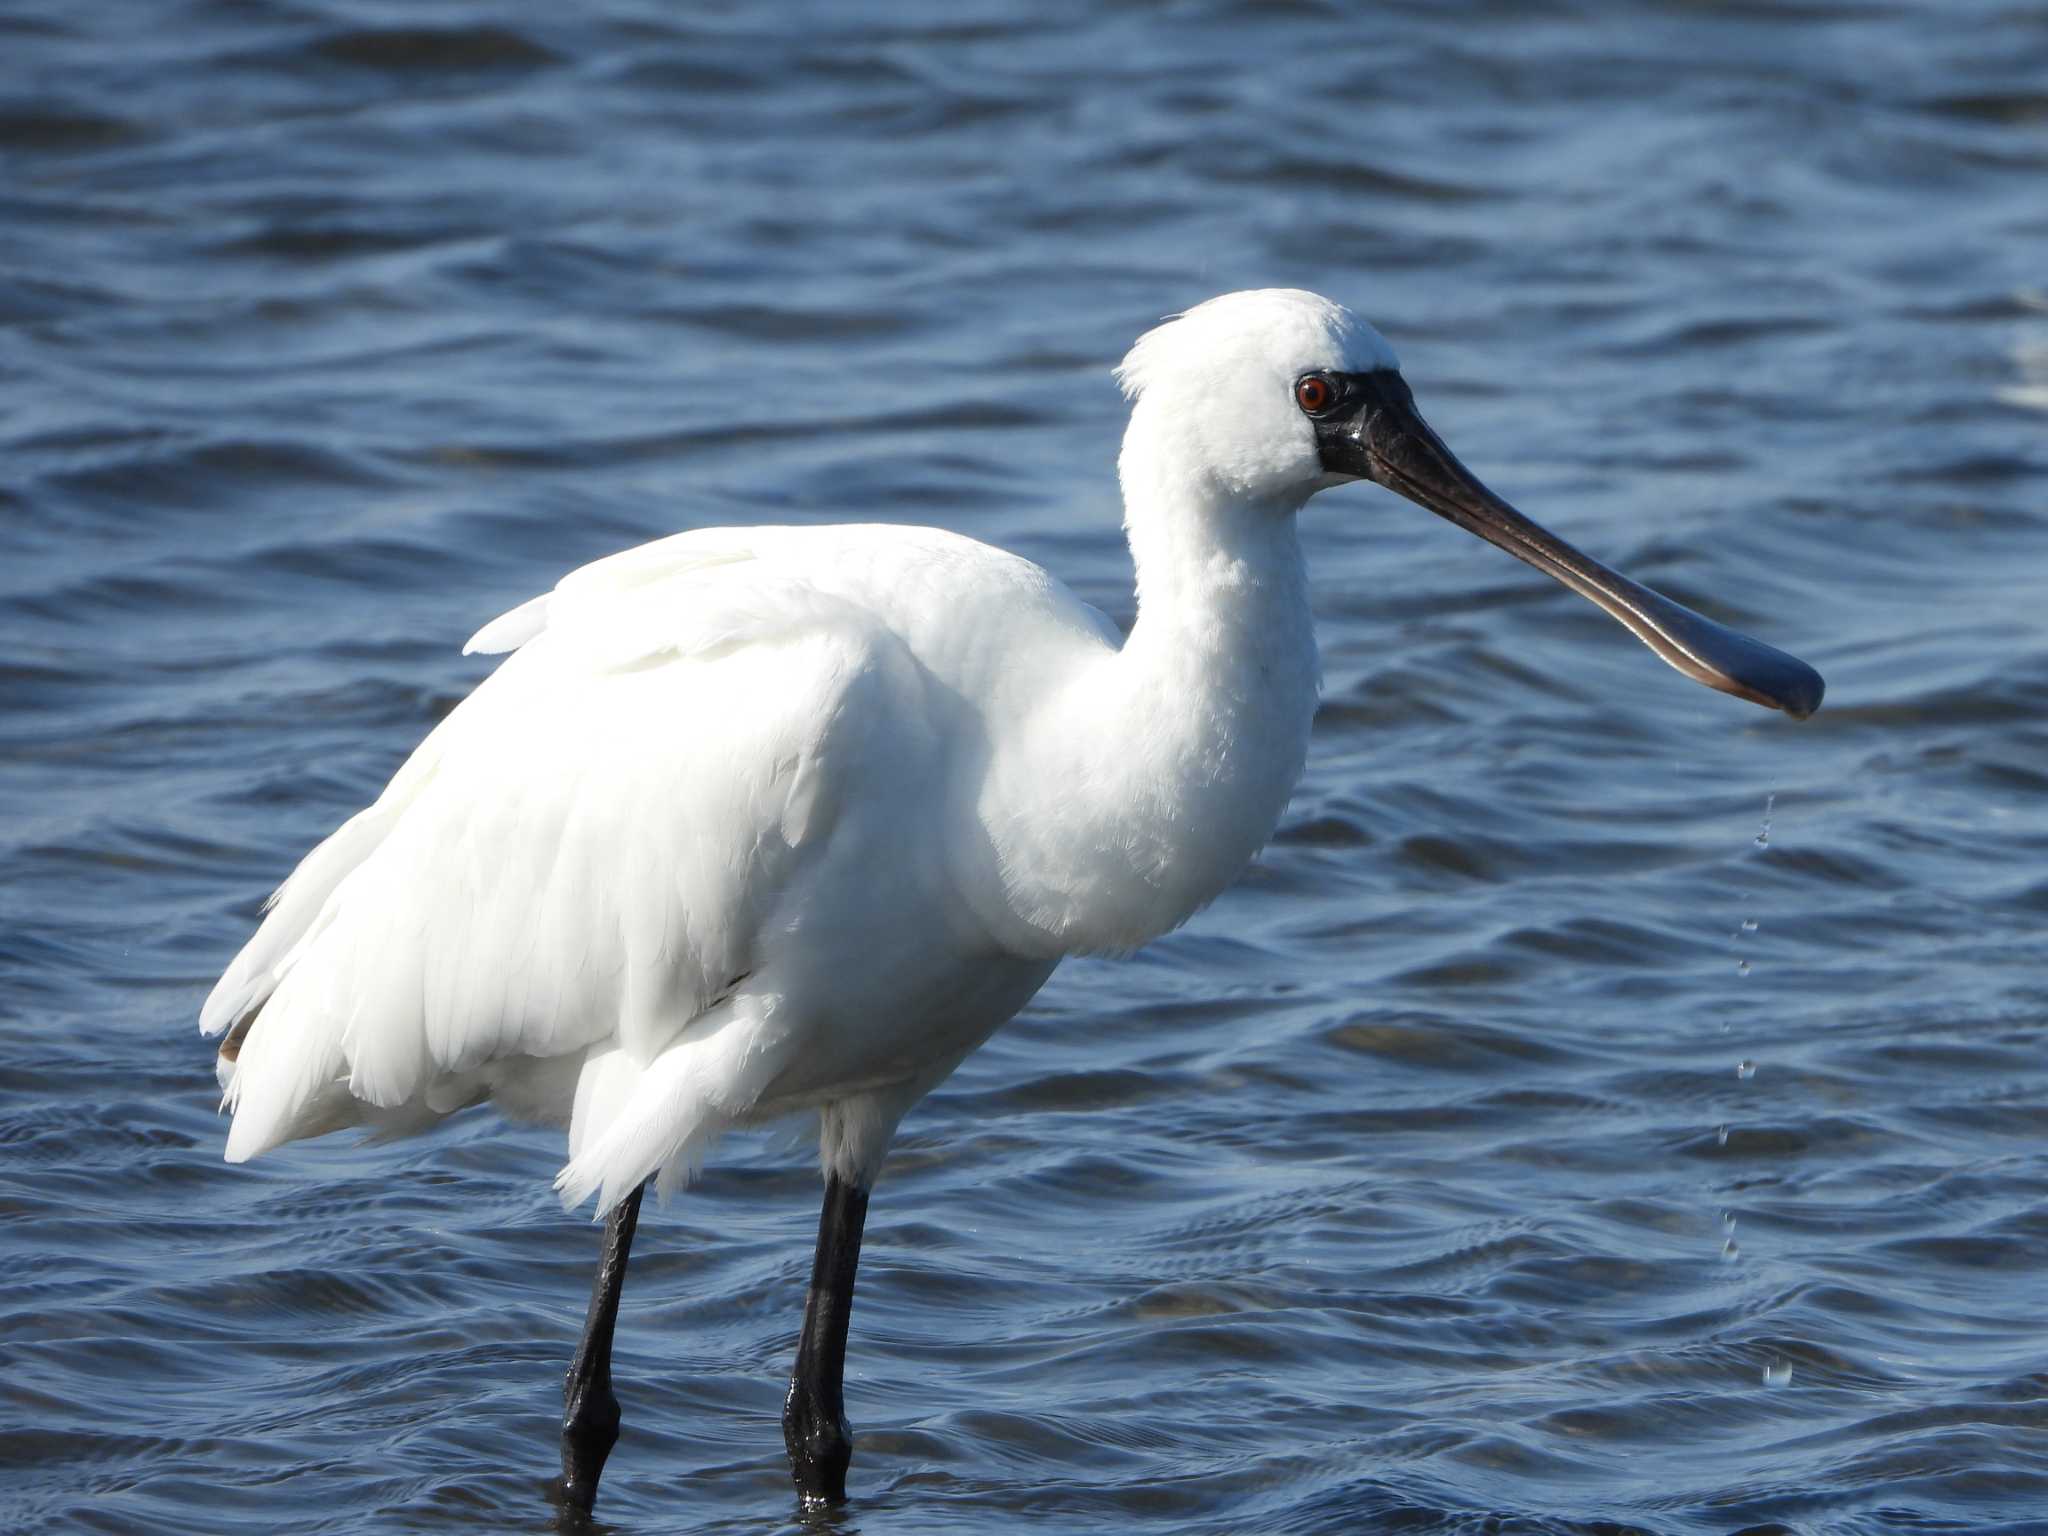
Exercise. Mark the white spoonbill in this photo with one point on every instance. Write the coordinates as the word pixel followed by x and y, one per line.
pixel 769 819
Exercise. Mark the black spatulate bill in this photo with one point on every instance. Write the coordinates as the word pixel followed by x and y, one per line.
pixel 1371 428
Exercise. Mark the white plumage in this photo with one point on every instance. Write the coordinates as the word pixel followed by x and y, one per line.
pixel 768 819
pixel 646 879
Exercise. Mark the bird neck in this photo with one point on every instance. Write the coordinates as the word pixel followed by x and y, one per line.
pixel 1163 770
pixel 1220 668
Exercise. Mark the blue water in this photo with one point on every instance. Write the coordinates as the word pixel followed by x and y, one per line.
pixel 1473 1165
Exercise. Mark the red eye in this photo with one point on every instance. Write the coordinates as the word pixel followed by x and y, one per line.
pixel 1313 393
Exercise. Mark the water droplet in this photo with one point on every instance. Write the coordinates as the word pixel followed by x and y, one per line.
pixel 1777 1373
pixel 1745 1068
pixel 1728 1220
pixel 1742 967
pixel 1763 833
pixel 1721 1134
pixel 1729 1252
pixel 1749 925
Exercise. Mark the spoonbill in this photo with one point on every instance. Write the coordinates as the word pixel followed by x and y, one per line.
pixel 761 820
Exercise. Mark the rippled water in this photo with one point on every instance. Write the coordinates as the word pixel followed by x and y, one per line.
pixel 1524 1145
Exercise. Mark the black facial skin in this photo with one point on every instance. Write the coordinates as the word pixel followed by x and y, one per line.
pixel 1369 428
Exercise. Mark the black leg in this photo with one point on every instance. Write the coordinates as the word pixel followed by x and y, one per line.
pixel 590 1414
pixel 814 1415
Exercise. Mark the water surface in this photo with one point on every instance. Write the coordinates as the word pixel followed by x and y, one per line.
pixel 1522 1146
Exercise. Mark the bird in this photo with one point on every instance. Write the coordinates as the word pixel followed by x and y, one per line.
pixel 753 821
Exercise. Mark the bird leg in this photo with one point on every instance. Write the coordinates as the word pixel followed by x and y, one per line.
pixel 814 1414
pixel 590 1414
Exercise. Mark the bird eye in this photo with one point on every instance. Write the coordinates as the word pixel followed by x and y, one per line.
pixel 1314 394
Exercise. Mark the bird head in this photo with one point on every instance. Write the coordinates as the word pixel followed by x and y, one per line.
pixel 1255 401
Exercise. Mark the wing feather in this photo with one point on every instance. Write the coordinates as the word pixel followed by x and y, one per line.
pixel 577 861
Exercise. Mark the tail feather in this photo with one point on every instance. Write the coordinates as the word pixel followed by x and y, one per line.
pixel 286 1083
pixel 290 914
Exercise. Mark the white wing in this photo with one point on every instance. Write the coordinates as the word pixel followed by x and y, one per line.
pixel 580 859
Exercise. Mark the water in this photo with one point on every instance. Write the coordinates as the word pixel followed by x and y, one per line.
pixel 1393 1193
